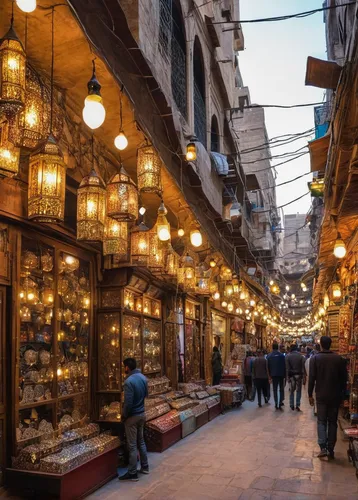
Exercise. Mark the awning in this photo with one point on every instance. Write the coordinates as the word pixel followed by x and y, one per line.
pixel 318 153
pixel 322 74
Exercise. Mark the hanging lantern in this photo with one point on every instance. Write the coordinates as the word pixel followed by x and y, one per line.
pixel 163 226
pixel 196 238
pixel 316 187
pixel 212 263
pixel 230 307
pixel 336 291
pixel 225 273
pixel 94 112
pixel 47 183
pixel 149 170
pixel 140 245
pixel 171 262
pixel 115 240
pixel 9 155
pixel 203 279
pixel 121 141
pixel 156 260
pixel 31 126
pixel 91 208
pixel 122 197
pixel 228 290
pixel 186 273
pixel 191 150
pixel 340 249
pixel 26 5
pixel 12 74
pixel 235 285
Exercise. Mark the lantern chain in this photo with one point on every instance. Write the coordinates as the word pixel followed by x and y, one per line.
pixel 52 63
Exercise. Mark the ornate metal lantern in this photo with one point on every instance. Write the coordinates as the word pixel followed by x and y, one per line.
pixel 140 245
pixel 225 273
pixel 47 183
pixel 171 262
pixel 122 197
pixel 203 276
pixel 186 273
pixel 149 170
pixel 115 241
pixel 156 260
pixel 91 208
pixel 9 155
pixel 163 226
pixel 12 74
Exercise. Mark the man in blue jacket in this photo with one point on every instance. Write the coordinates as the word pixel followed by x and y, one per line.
pixel 277 372
pixel 133 416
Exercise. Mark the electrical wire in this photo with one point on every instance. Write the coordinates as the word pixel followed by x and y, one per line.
pixel 276 144
pixel 278 185
pixel 279 164
pixel 282 155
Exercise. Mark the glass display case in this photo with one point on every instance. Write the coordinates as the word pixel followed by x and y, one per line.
pixel 192 339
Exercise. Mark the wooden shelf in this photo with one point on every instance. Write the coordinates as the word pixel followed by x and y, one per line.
pixel 152 372
pixel 72 395
pixel 114 391
pixel 35 403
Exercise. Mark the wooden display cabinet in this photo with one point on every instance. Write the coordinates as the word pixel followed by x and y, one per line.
pixel 193 341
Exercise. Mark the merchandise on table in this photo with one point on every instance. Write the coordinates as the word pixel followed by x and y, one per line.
pixel 111 412
pixel 172 395
pixel 199 409
pixel 182 404
pixel 165 422
pixel 189 387
pixel 202 394
pixel 29 458
pixel 156 411
pixel 158 385
pixel 184 415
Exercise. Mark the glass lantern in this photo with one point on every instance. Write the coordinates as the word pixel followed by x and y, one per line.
pixel 115 241
pixel 186 274
pixel 149 170
pixel 140 245
pixel 122 198
pixel 9 155
pixel 171 262
pixel 156 260
pixel 47 184
pixel 12 70
pixel 91 208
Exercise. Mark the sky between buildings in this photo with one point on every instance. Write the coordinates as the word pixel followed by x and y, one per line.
pixel 273 66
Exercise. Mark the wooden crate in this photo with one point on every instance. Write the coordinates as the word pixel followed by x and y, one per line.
pixel 158 441
pixel 202 419
pixel 214 411
pixel 75 484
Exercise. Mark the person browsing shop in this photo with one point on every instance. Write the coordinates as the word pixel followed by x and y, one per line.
pixel 328 375
pixel 277 372
pixel 260 376
pixel 217 366
pixel 296 376
pixel 133 416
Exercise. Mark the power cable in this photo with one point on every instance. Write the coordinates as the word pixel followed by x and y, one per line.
pixel 282 155
pixel 278 185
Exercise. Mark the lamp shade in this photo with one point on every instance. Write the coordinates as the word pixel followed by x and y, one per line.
pixel 339 248
pixel 140 245
pixel 122 198
pixel 191 152
pixel 149 170
pixel 12 74
pixel 47 183
pixel 115 240
pixel 9 154
pixel 91 208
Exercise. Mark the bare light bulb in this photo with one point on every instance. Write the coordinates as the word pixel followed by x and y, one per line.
pixel 181 232
pixel 94 112
pixel 121 141
pixel 196 238
pixel 26 5
pixel 142 210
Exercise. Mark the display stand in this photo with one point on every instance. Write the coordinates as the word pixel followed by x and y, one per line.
pixel 160 441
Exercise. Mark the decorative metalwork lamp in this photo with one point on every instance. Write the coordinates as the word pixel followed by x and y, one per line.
pixel 149 170
pixel 115 241
pixel 203 276
pixel 186 273
pixel 47 184
pixel 163 226
pixel 140 245
pixel 91 208
pixel 171 262
pixel 122 197
pixel 12 73
pixel 9 155
pixel 156 260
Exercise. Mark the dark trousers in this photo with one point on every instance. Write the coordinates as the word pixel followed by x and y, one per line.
pixel 248 385
pixel 135 441
pixel 261 387
pixel 278 382
pixel 216 378
pixel 327 415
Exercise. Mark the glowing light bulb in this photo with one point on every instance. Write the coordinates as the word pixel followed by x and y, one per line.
pixel 212 263
pixel 59 372
pixel 181 232
pixel 287 288
pixel 94 112
pixel 252 303
pixel 339 248
pixel 90 207
pixel 26 5
pixel 216 296
pixel 163 234
pixel 196 238
pixel 31 118
pixel 224 303
pixel 271 282
pixel 69 259
pixel 142 210
pixel 121 141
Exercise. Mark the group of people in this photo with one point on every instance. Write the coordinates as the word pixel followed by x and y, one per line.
pixel 327 377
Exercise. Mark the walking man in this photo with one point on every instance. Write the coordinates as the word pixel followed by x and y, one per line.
pixel 277 372
pixel 248 375
pixel 328 375
pixel 135 391
pixel 296 375
pixel 260 376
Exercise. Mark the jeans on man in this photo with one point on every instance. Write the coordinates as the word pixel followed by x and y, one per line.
pixel 327 415
pixel 278 382
pixel 261 386
pixel 135 441
pixel 295 386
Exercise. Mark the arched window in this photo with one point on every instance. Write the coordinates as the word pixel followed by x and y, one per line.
pixel 178 58
pixel 214 134
pixel 199 93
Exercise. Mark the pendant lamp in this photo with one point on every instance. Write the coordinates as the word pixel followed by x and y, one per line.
pixel 186 273
pixel 26 5
pixel 121 141
pixel 156 260
pixel 163 226
pixel 122 197
pixel 94 112
pixel 12 73
pixel 171 262
pixel 47 173
pixel 149 170
pixel 140 245
pixel 115 241
pixel 91 208
pixel 9 154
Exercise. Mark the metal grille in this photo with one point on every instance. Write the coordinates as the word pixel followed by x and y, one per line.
pixel 165 28
pixel 178 76
pixel 199 115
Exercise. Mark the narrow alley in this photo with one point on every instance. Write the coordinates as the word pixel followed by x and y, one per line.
pixel 250 453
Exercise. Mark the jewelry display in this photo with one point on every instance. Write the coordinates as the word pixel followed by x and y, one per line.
pixel 182 404
pixel 152 346
pixel 111 412
pixel 132 346
pixel 158 385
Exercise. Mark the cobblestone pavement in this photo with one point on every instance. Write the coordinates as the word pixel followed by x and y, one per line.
pixel 250 453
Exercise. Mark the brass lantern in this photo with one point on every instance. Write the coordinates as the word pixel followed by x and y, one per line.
pixel 115 240
pixel 9 155
pixel 47 183
pixel 163 226
pixel 140 245
pixel 336 291
pixel 171 262
pixel 149 170
pixel 122 197
pixel 91 208
pixel 186 273
pixel 156 260
pixel 12 74
pixel 203 279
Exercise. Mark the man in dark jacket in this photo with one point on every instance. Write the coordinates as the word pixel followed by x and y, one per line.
pixel 260 376
pixel 135 391
pixel 329 375
pixel 277 372
pixel 296 375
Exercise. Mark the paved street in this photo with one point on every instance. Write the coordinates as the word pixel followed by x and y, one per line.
pixel 248 453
